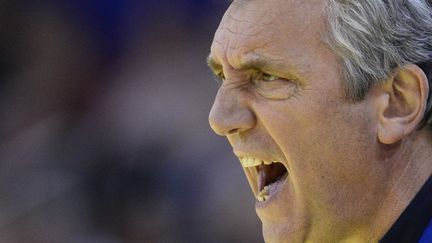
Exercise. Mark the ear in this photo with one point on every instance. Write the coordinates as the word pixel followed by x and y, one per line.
pixel 401 104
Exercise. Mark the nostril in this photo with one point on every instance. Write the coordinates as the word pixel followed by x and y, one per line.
pixel 232 131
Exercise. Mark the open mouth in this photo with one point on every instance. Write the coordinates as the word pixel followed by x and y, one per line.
pixel 264 176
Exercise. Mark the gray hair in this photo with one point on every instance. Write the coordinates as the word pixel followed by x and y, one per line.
pixel 376 37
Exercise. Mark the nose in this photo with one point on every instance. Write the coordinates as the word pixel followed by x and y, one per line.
pixel 229 114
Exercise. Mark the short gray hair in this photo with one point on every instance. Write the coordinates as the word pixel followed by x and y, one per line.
pixel 376 37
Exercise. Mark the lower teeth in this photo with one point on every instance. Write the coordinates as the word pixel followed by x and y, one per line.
pixel 264 194
pixel 262 199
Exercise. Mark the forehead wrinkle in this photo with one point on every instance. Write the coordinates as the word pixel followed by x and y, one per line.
pixel 292 4
pixel 252 60
pixel 276 66
pixel 247 27
pixel 241 22
pixel 261 15
pixel 263 21
pixel 235 39
pixel 242 49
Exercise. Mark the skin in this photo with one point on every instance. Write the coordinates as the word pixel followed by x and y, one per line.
pixel 282 98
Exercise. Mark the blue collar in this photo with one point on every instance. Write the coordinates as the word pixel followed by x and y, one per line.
pixel 415 223
pixel 427 234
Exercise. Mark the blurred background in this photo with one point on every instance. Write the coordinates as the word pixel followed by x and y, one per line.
pixel 103 131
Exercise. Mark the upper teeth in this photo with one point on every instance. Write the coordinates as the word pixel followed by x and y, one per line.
pixel 252 162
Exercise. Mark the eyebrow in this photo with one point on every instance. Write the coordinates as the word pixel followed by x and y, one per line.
pixel 212 64
pixel 254 62
pixel 260 63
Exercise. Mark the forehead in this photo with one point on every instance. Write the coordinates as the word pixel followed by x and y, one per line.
pixel 268 28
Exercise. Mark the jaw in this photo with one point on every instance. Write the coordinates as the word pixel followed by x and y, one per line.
pixel 281 212
pixel 285 218
pixel 280 233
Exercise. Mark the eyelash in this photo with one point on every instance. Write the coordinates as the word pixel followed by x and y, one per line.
pixel 220 75
pixel 219 78
pixel 261 76
pixel 266 85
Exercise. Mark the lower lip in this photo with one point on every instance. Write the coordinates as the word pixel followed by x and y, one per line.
pixel 273 193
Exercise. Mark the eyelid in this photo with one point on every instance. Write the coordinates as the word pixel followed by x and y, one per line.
pixel 220 75
pixel 286 76
pixel 266 76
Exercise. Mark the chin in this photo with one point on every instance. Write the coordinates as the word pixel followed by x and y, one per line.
pixel 282 233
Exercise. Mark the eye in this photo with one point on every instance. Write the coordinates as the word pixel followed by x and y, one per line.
pixel 267 77
pixel 220 75
pixel 275 87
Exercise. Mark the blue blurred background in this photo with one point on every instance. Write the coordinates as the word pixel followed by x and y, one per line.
pixel 104 132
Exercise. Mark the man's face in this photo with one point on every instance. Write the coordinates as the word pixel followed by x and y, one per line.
pixel 282 100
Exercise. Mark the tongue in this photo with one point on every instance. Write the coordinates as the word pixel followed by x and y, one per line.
pixel 268 174
pixel 264 176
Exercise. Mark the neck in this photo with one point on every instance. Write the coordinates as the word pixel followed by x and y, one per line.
pixel 411 168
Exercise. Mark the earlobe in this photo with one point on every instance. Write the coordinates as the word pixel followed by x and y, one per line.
pixel 390 132
pixel 402 103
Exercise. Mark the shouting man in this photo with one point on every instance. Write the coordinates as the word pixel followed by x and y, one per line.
pixel 326 105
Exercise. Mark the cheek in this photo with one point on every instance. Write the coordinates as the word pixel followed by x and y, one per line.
pixel 316 131
pixel 330 152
